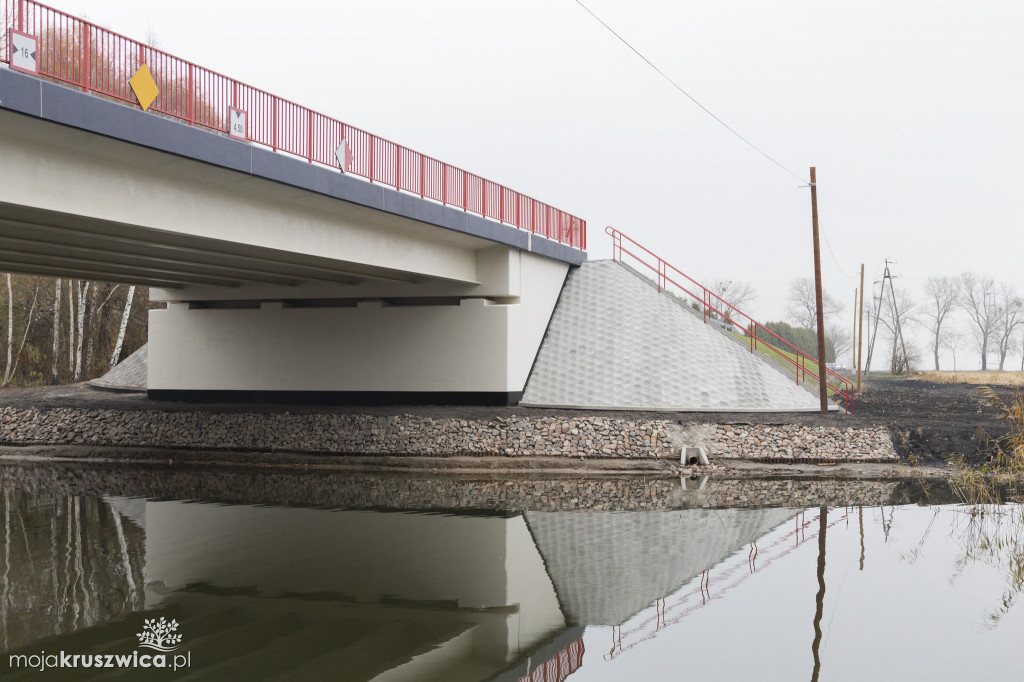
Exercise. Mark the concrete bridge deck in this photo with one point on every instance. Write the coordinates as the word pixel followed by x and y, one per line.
pixel 281 277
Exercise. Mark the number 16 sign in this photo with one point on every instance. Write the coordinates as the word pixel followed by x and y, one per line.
pixel 23 52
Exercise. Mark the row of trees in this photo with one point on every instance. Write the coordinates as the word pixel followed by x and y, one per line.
pixel 957 312
pixel 801 312
pixel 67 330
pixel 992 313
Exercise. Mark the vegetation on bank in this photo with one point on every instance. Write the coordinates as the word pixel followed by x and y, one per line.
pixel 66 330
pixel 978 378
pixel 993 531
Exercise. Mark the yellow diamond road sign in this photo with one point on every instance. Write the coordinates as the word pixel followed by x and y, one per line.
pixel 144 87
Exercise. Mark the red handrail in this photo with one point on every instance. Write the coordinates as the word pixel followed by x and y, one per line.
pixel 87 56
pixel 755 331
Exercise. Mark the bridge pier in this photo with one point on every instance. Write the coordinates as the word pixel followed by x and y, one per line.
pixel 360 348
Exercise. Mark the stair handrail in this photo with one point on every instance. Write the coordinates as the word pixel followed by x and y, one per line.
pixel 842 386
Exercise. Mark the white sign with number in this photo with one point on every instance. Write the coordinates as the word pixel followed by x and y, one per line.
pixel 23 52
pixel 238 124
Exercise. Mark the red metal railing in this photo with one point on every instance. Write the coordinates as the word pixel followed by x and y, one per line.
pixel 82 54
pixel 712 304
pixel 565 663
pixel 726 579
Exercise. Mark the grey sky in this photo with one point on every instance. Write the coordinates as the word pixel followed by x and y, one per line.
pixel 910 111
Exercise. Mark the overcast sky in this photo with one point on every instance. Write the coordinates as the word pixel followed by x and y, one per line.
pixel 911 111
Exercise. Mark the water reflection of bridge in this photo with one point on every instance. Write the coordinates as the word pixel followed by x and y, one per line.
pixel 263 591
pixel 730 573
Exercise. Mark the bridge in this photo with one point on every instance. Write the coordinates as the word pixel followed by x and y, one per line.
pixel 302 259
pixel 298 257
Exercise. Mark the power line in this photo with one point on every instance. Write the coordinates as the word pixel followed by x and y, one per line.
pixel 688 95
pixel 834 259
pixel 712 115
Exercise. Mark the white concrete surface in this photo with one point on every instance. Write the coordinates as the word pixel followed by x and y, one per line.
pixel 88 190
pixel 615 342
pixel 459 344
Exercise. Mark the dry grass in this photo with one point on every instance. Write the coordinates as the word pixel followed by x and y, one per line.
pixel 980 378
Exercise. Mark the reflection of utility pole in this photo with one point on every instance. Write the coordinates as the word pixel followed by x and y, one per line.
pixel 819 600
pixel 861 514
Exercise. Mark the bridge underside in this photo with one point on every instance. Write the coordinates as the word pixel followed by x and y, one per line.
pixel 282 280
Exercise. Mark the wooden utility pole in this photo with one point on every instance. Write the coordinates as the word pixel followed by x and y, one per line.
pixel 822 370
pixel 860 335
pixel 853 339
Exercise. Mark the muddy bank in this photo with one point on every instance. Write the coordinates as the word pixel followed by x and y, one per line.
pixel 337 486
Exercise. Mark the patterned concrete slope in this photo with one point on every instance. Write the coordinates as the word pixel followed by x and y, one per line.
pixel 127 375
pixel 608 566
pixel 615 342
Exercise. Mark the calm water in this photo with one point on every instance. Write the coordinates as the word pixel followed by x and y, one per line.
pixel 515 585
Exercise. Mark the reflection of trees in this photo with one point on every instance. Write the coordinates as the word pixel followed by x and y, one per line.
pixel 68 562
pixel 994 536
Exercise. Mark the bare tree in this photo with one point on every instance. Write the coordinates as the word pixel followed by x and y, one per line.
pixel 1011 315
pixel 736 294
pixel 72 327
pixel 954 339
pixel 82 294
pixel 124 325
pixel 841 338
pixel 942 294
pixel 10 321
pixel 12 366
pixel 803 306
pixel 977 298
pixel 54 369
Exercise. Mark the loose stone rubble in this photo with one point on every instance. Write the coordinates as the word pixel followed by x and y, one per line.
pixel 793 444
pixel 589 436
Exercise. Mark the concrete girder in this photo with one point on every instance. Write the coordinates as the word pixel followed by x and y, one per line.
pixel 101 258
pixel 92 275
pixel 120 190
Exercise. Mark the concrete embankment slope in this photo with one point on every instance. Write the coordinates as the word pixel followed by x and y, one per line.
pixel 616 342
pixel 127 375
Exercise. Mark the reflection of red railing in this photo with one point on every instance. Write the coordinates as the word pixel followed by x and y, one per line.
pixel 668 614
pixel 712 304
pixel 565 663
pixel 82 54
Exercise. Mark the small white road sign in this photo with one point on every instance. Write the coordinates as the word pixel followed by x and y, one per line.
pixel 23 52
pixel 238 124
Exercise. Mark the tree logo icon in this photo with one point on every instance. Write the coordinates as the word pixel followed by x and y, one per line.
pixel 159 634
